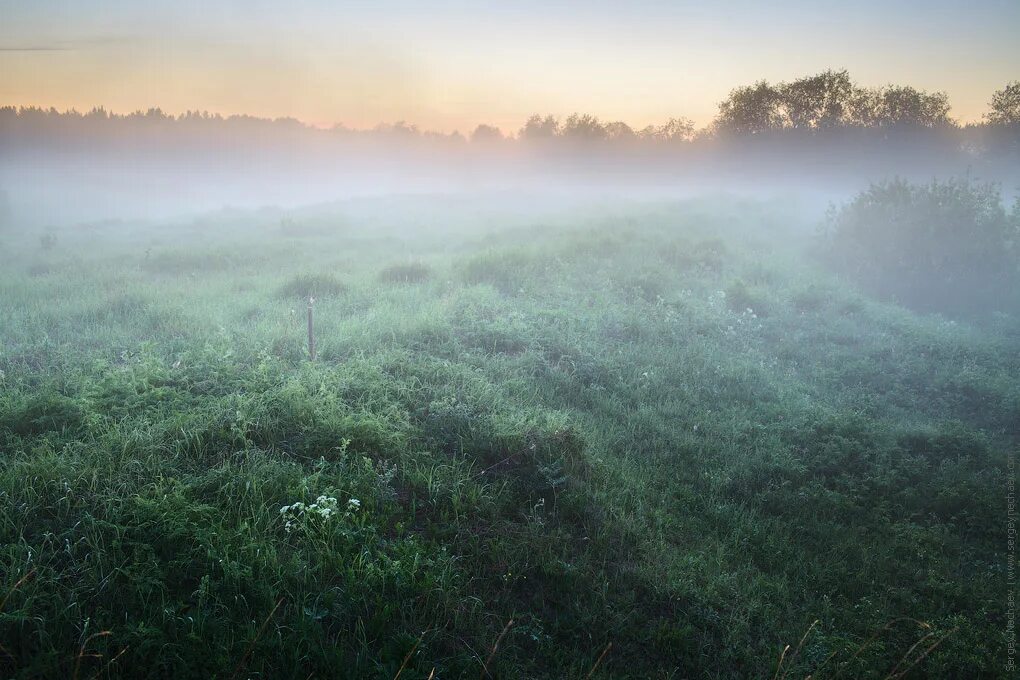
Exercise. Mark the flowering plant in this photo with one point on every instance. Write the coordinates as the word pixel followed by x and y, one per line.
pixel 324 509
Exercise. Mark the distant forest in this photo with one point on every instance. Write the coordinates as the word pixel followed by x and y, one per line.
pixel 823 136
pixel 828 106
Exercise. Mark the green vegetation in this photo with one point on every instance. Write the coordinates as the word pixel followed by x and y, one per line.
pixel 666 431
pixel 945 246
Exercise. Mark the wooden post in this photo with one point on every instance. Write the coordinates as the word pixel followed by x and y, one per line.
pixel 311 330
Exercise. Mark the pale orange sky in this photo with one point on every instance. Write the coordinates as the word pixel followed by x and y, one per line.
pixel 452 65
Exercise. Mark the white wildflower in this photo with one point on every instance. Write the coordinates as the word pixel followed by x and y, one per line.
pixel 325 508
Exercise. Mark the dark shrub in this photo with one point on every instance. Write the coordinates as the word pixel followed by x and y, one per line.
pixel 305 286
pixel 942 247
pixel 42 413
pixel 413 272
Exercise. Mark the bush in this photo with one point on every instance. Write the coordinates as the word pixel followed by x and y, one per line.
pixel 942 247
pixel 42 413
pixel 305 286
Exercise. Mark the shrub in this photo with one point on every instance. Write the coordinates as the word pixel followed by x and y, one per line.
pixel 305 286
pixel 412 272
pixel 942 247
pixel 42 413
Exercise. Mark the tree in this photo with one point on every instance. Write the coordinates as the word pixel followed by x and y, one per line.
pixel 619 131
pixel 399 129
pixel 538 127
pixel 751 110
pixel 583 127
pixel 819 101
pixel 905 105
pixel 1005 105
pixel 486 134
pixel 677 130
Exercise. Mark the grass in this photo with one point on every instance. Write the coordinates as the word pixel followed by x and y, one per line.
pixel 589 436
pixel 411 272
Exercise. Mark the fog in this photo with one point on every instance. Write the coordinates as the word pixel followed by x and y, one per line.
pixel 575 401
pixel 58 169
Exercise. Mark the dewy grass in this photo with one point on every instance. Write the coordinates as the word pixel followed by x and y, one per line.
pixel 660 454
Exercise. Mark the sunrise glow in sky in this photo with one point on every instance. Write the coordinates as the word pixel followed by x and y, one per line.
pixel 451 65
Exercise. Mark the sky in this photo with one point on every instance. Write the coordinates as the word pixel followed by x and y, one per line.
pixel 451 65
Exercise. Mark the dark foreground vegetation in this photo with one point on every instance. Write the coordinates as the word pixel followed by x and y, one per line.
pixel 652 442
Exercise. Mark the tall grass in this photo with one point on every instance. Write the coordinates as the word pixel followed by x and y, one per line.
pixel 600 444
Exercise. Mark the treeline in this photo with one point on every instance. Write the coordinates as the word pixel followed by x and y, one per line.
pixel 818 105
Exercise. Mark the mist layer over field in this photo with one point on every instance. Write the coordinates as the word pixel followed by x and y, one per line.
pixel 821 137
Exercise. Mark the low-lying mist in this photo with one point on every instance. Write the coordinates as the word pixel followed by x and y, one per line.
pixel 821 137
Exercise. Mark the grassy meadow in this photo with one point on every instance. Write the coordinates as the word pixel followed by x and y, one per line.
pixel 645 441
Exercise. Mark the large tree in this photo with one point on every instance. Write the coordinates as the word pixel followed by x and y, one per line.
pixel 1005 105
pixel 902 105
pixel 819 101
pixel 751 110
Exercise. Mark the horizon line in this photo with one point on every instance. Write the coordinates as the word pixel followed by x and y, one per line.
pixel 380 126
